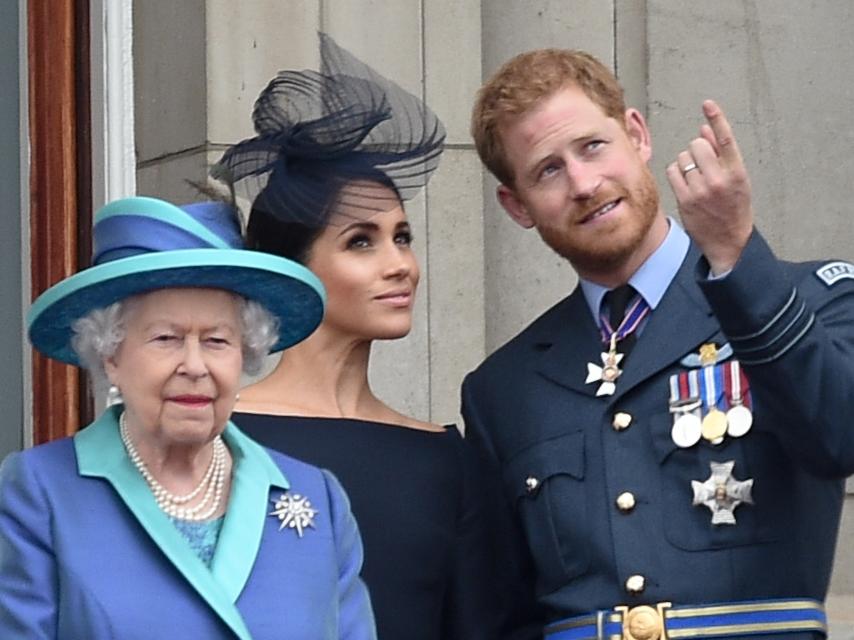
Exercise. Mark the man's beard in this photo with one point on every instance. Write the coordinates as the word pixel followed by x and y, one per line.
pixel 614 249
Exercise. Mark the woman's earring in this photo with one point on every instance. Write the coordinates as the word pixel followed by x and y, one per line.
pixel 114 396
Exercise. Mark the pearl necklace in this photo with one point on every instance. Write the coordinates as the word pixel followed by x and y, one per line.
pixel 172 504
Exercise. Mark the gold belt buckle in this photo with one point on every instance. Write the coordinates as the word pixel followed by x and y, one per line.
pixel 644 622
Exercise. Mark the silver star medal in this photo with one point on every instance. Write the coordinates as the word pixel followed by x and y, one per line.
pixel 722 493
pixel 295 512
pixel 608 373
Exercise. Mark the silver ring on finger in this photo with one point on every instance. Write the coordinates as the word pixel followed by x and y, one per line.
pixel 688 168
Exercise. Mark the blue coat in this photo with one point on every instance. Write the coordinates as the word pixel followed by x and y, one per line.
pixel 86 553
pixel 549 443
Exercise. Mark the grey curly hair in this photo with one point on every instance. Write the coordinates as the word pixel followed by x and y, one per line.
pixel 98 334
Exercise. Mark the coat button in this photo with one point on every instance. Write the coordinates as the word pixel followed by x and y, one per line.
pixel 622 421
pixel 626 501
pixel 635 584
pixel 531 484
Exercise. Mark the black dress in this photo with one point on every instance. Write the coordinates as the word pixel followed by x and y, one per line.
pixel 413 496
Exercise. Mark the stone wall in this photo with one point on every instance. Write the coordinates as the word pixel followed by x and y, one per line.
pixel 778 68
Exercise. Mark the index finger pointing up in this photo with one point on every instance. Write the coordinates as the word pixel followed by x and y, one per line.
pixel 726 144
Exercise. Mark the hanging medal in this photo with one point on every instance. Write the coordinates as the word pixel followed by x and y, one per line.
pixel 685 404
pixel 722 493
pixel 715 420
pixel 739 416
pixel 608 372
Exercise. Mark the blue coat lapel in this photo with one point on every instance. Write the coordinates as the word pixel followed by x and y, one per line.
pixel 249 506
pixel 100 453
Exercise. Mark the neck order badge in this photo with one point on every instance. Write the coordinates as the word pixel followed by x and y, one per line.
pixel 610 370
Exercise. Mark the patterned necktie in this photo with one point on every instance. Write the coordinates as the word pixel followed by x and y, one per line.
pixel 616 301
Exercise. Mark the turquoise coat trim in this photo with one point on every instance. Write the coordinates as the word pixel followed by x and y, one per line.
pixel 100 453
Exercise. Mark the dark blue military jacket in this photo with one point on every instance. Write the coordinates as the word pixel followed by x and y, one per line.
pixel 552 447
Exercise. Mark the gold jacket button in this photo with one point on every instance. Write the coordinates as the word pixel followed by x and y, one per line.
pixel 626 501
pixel 531 484
pixel 621 421
pixel 635 584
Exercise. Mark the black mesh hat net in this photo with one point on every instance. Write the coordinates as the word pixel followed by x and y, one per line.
pixel 320 133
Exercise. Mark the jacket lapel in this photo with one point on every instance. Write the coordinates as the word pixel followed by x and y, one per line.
pixel 570 339
pixel 254 476
pixel 100 453
pixel 682 321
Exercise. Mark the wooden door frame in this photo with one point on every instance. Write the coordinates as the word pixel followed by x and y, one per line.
pixel 60 210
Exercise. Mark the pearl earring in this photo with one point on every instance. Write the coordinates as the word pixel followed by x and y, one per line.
pixel 114 396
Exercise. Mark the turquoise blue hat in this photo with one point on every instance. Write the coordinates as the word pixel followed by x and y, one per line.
pixel 144 244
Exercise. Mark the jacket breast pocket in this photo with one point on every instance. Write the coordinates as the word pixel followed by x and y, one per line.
pixel 547 483
pixel 756 456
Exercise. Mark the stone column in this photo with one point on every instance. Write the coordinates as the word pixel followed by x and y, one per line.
pixel 199 67
pixel 780 71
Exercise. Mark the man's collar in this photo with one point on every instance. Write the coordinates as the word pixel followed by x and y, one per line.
pixel 653 277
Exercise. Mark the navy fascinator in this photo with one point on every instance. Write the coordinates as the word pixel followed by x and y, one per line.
pixel 318 132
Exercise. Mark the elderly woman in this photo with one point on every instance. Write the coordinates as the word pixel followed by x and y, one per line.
pixel 161 519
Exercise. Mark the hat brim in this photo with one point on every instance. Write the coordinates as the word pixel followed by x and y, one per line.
pixel 285 288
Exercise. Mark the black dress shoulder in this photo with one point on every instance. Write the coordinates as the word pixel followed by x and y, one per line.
pixel 413 495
